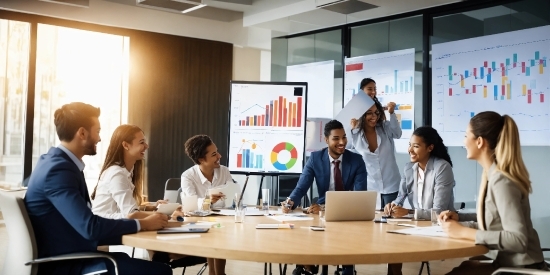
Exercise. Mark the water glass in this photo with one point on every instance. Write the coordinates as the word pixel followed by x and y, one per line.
pixel 435 216
pixel 265 200
pixel 322 217
pixel 240 212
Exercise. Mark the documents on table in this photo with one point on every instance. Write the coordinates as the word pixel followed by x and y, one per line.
pixel 274 226
pixel 430 231
pixel 290 217
pixel 250 211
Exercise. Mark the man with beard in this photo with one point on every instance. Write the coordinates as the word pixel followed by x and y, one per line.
pixel 59 207
pixel 334 169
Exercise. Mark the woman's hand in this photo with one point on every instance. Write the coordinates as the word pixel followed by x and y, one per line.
pixel 391 107
pixel 398 211
pixel 216 197
pixel 162 201
pixel 387 209
pixel 177 213
pixel 354 123
pixel 448 215
pixel 457 231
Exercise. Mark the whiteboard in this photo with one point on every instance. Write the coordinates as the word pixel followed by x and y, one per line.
pixel 507 73
pixel 320 80
pixel 393 73
pixel 267 127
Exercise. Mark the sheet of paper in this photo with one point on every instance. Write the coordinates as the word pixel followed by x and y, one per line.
pixel 357 106
pixel 291 217
pixel 175 237
pixel 250 211
pixel 430 231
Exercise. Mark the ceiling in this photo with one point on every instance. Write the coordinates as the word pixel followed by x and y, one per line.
pixel 285 17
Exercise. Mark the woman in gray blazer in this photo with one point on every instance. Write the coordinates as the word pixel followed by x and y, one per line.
pixel 428 179
pixel 503 219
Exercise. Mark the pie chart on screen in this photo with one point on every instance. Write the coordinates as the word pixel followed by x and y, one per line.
pixel 284 156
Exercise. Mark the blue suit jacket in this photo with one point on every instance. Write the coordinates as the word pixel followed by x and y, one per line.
pixel 58 204
pixel 354 174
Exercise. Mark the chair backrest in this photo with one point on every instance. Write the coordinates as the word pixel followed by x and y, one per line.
pixel 21 242
pixel 171 189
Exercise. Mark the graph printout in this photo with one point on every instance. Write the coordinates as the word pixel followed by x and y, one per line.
pixel 320 82
pixel 267 127
pixel 507 73
pixel 393 73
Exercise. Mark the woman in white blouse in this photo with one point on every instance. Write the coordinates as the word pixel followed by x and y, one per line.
pixel 372 137
pixel 119 190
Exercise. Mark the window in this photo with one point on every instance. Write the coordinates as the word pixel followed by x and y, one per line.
pixel 76 65
pixel 14 67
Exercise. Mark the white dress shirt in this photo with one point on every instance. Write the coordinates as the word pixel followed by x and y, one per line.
pixel 114 197
pixel 331 183
pixel 420 180
pixel 193 182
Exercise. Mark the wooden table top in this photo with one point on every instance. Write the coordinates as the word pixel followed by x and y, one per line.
pixel 340 243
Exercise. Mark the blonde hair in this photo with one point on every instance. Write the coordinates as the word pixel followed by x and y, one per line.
pixel 115 156
pixel 502 136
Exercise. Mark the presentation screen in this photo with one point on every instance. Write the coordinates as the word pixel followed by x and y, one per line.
pixel 393 73
pixel 267 125
pixel 320 82
pixel 507 73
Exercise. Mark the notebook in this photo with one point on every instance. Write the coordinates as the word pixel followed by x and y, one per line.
pixel 350 205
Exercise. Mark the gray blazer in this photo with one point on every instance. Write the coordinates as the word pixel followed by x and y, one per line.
pixel 510 236
pixel 438 186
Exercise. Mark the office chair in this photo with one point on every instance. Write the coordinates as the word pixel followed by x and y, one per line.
pixel 184 262
pixel 172 187
pixel 21 258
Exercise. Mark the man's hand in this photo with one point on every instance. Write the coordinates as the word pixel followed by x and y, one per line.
pixel 286 206
pixel 314 209
pixel 155 221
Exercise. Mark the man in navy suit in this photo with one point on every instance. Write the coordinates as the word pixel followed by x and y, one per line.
pixel 334 169
pixel 59 207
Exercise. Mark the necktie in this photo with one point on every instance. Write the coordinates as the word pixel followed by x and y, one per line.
pixel 338 184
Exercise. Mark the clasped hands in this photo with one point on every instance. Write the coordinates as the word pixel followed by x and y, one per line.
pixel 395 210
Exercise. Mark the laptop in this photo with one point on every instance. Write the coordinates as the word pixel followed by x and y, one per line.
pixel 350 205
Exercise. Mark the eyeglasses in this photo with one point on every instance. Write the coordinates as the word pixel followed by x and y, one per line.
pixel 373 114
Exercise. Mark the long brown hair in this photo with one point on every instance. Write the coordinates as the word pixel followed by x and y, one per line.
pixel 502 136
pixel 115 156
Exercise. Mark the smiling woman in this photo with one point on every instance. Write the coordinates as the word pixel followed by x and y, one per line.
pixel 76 65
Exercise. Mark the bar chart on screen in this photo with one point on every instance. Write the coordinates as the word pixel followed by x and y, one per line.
pixel 507 73
pixel 267 127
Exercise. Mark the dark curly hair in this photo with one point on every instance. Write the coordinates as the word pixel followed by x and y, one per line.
pixel 195 147
pixel 431 136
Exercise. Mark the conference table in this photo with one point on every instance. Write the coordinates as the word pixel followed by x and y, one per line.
pixel 342 243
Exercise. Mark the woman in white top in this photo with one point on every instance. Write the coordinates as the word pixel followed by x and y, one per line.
pixel 372 137
pixel 205 174
pixel 119 190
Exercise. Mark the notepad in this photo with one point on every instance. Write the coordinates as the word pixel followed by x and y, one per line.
pixel 172 230
pixel 274 226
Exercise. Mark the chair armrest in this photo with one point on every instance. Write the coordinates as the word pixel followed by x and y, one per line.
pixel 75 256
pixel 517 270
